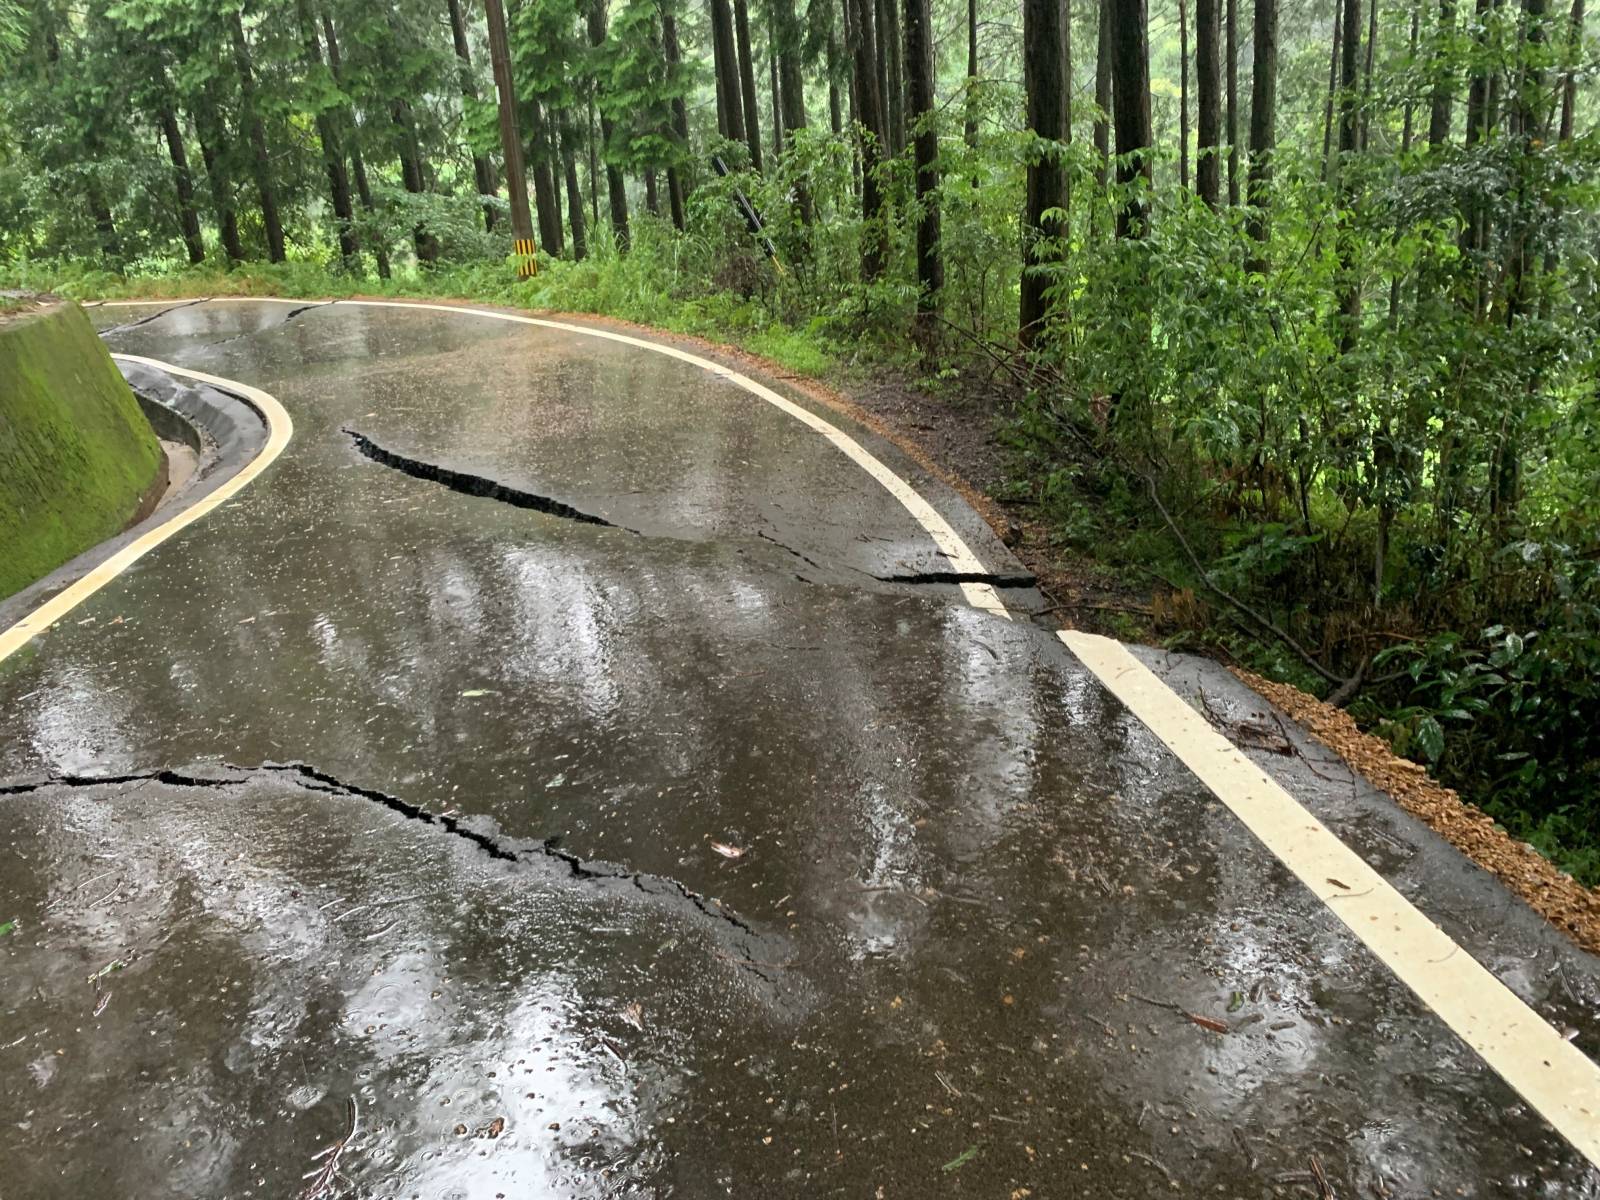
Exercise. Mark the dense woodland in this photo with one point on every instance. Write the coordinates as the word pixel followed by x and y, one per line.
pixel 1292 302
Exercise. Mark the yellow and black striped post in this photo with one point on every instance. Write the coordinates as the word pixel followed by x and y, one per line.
pixel 527 255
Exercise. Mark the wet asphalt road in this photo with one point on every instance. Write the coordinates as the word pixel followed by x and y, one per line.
pixel 488 903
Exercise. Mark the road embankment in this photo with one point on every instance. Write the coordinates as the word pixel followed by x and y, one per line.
pixel 78 459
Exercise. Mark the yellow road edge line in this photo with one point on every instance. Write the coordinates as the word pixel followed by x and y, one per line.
pixel 1550 1073
pixel 280 428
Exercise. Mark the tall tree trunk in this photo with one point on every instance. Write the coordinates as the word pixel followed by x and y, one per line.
pixel 105 225
pixel 1183 95
pixel 1263 123
pixel 510 133
pixel 547 205
pixel 183 184
pixel 593 142
pixel 1131 102
pixel 1232 51
pixel 852 96
pixel 652 192
pixel 725 55
pixel 413 176
pixel 747 82
pixel 869 104
pixel 208 125
pixel 1443 99
pixel 1102 96
pixel 970 126
pixel 1044 56
pixel 777 100
pixel 919 69
pixel 792 90
pixel 482 168
pixel 260 161
pixel 1349 143
pixel 893 54
pixel 1569 77
pixel 677 189
pixel 358 166
pixel 616 187
pixel 1366 74
pixel 1208 94
pixel 332 153
pixel 569 160
pixel 1331 98
pixel 835 118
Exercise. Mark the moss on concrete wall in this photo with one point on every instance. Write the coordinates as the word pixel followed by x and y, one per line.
pixel 76 454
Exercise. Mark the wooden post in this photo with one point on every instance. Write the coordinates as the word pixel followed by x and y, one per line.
pixel 511 143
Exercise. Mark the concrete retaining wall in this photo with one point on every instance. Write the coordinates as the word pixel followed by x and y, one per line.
pixel 78 459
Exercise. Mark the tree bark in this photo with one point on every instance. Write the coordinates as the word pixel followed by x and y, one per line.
pixel 869 104
pixel 105 225
pixel 1131 102
pixel 1569 77
pixel 725 57
pixel 777 100
pixel 1349 143
pixel 747 83
pixel 1443 99
pixel 1208 85
pixel 332 153
pixel 919 67
pixel 1044 56
pixel 1183 95
pixel 616 187
pixel 1329 101
pixel 510 133
pixel 970 126
pixel 893 52
pixel 1102 96
pixel 677 189
pixel 260 161
pixel 183 184
pixel 569 160
pixel 835 117
pixel 358 166
pixel 413 176
pixel 1263 123
pixel 482 168
pixel 208 125
pixel 1232 50
pixel 547 205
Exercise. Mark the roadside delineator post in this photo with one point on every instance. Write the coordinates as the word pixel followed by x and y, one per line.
pixel 527 257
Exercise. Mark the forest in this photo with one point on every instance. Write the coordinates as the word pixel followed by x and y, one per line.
pixel 1286 309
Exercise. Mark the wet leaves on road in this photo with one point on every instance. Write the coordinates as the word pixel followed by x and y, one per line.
pixel 960 1160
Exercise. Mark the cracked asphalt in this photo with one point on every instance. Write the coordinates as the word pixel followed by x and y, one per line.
pixel 595 776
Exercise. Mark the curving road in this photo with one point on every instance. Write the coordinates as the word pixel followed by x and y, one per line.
pixel 567 771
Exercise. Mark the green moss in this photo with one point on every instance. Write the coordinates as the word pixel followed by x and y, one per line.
pixel 76 453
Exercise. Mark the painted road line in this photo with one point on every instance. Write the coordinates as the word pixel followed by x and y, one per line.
pixel 1550 1073
pixel 279 430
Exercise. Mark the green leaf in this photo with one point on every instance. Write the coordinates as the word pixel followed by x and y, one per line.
pixel 960 1160
pixel 7 927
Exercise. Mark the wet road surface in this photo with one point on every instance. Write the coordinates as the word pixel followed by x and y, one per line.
pixel 686 854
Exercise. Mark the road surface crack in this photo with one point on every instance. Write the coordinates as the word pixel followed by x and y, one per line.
pixel 473 485
pixel 155 316
pixel 500 849
pixel 492 489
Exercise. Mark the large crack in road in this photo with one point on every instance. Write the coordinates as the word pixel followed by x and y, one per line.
pixel 507 850
pixel 469 484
